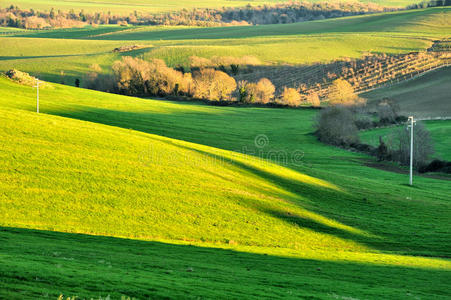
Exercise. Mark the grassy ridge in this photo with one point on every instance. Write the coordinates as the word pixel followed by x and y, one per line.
pixel 424 96
pixel 201 125
pixel 299 43
pixel 129 182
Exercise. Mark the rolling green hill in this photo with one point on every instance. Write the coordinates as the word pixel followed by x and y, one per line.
pixel 421 97
pixel 251 180
pixel 66 54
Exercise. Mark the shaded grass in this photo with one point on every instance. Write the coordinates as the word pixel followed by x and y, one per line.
pixel 425 96
pixel 379 193
pixel 54 263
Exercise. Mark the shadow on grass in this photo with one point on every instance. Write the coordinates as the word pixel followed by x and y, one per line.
pixel 40 264
pixel 194 126
pixel 300 188
pixel 315 222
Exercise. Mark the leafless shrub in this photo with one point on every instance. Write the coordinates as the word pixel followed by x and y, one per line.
pixel 290 97
pixel 388 111
pixel 100 82
pixel 335 125
pixel 422 150
pixel 24 78
pixel 313 99
pixel 260 92
pixel 342 93
pixel 213 85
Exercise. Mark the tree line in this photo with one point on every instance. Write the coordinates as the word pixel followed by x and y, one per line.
pixel 432 3
pixel 280 13
pixel 339 124
pixel 134 76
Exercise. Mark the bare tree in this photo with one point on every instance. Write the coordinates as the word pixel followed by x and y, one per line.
pixel 213 85
pixel 388 111
pixel 422 150
pixel 342 93
pixel 336 125
pixel 290 97
pixel 260 92
pixel 313 99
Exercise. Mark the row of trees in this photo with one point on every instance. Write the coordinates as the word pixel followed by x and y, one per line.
pixel 267 14
pixel 432 3
pixel 134 76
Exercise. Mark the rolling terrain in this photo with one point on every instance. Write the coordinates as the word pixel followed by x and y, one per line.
pixel 66 54
pixel 179 174
pixel 425 96
pixel 105 196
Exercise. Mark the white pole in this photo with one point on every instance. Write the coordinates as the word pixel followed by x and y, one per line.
pixel 37 95
pixel 411 151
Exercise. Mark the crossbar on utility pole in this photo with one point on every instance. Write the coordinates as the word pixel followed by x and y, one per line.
pixel 37 95
pixel 412 122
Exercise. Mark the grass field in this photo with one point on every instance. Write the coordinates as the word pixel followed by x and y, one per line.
pixel 439 130
pixel 48 53
pixel 425 96
pixel 190 181
pixel 158 6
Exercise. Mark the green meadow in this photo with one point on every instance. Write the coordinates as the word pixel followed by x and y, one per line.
pixel 204 192
pixel 104 196
pixel 65 54
pixel 439 130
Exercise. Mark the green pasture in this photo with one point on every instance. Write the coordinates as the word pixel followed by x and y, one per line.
pixel 439 131
pixel 103 194
pixel 298 218
pixel 65 54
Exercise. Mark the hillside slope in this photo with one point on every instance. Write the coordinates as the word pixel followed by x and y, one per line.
pixel 321 206
pixel 425 96
pixel 63 55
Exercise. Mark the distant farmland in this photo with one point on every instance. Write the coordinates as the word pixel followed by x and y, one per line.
pixel 65 54
pixel 158 6
pixel 426 96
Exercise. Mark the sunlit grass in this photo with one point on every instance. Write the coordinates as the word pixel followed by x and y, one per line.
pixel 151 170
pixel 68 50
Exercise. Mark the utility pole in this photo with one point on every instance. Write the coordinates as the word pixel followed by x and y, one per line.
pixel 37 95
pixel 412 123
